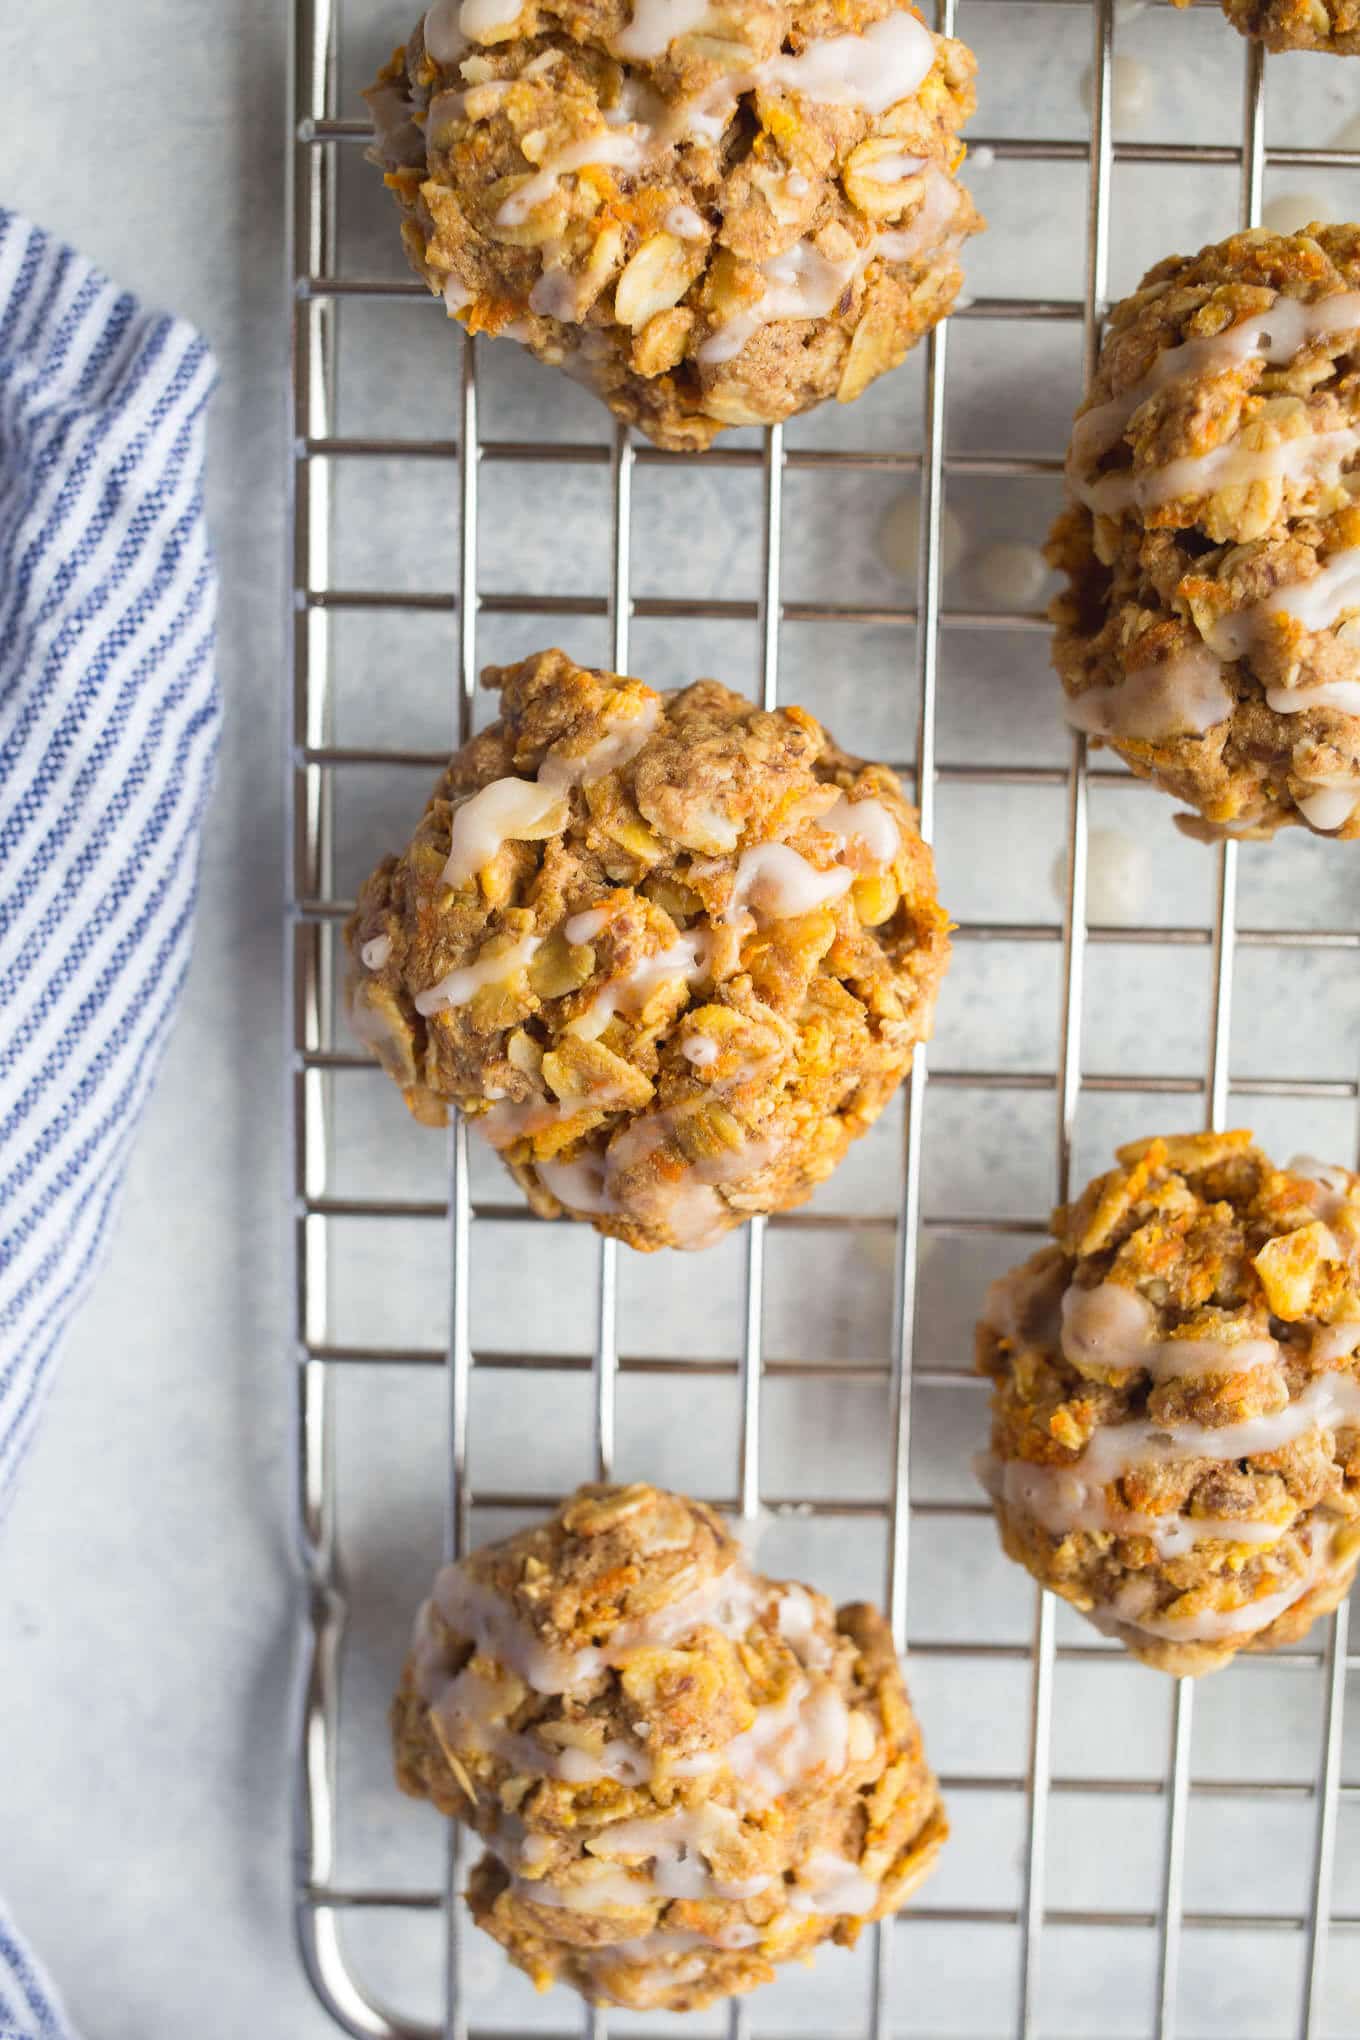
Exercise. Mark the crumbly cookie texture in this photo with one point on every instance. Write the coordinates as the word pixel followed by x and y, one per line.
pixel 1210 628
pixel 670 953
pixel 717 212
pixel 683 1772
pixel 1176 1406
pixel 1332 26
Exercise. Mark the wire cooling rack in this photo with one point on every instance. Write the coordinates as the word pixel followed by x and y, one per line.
pixel 1106 1843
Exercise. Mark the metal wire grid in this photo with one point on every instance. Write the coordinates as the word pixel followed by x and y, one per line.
pixel 320 1904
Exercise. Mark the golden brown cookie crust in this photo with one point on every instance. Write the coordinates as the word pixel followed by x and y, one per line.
pixel 636 260
pixel 726 1774
pixel 699 981
pixel 1195 1289
pixel 1332 26
pixel 1208 628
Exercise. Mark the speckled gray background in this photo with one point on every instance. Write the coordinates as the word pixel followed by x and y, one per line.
pixel 144 1581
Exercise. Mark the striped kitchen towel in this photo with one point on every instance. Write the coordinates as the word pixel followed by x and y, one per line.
pixel 109 715
pixel 29 2007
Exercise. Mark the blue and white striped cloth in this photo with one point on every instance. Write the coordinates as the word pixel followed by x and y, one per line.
pixel 109 716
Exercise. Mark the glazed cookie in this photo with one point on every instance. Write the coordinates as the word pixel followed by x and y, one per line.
pixel 670 953
pixel 713 212
pixel 683 1773
pixel 1176 1406
pixel 1332 26
pixel 1210 629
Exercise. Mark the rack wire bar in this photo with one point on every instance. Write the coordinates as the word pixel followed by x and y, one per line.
pixel 1007 148
pixel 322 1068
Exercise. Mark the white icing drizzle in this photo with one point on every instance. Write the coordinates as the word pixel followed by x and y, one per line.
pixel 1111 1326
pixel 804 1736
pixel 1316 604
pixel 626 737
pixel 584 927
pixel 700 1049
pixel 774 883
pixel 667 1940
pixel 1331 1343
pixel 472 1707
pixel 1185 695
pixel 579 1184
pixel 829 1885
pixel 685 223
pixel 1326 598
pixel 1213 1625
pixel 796 1622
pixel 517 810
pixel 1330 804
pixel 729 1601
pixel 606 1891
pixel 872 71
pixel 444 39
pixel 554 295
pixel 656 24
pixel 464 984
pixel 644 1957
pixel 676 1844
pixel 1312 456
pixel 1056 1498
pixel 1329 1402
pixel 506 1123
pixel 800 1738
pixel 638 1950
pixel 625 149
pixel 687 958
pixel 659 1976
pixel 892 169
pixel 1340 694
pixel 864 827
pixel 802 283
pixel 927 232
pixel 1277 334
pixel 375 953
pixel 688 1202
pixel 508 810
pixel 487 20
pixel 888 63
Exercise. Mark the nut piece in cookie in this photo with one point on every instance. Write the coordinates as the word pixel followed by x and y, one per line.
pixel 1210 628
pixel 670 953
pixel 683 1773
pixel 711 212
pixel 1176 1405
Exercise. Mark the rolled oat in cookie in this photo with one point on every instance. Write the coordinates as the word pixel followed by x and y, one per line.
pixel 1176 1409
pixel 1332 26
pixel 683 1773
pixel 670 953
pixel 1210 628
pixel 712 212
